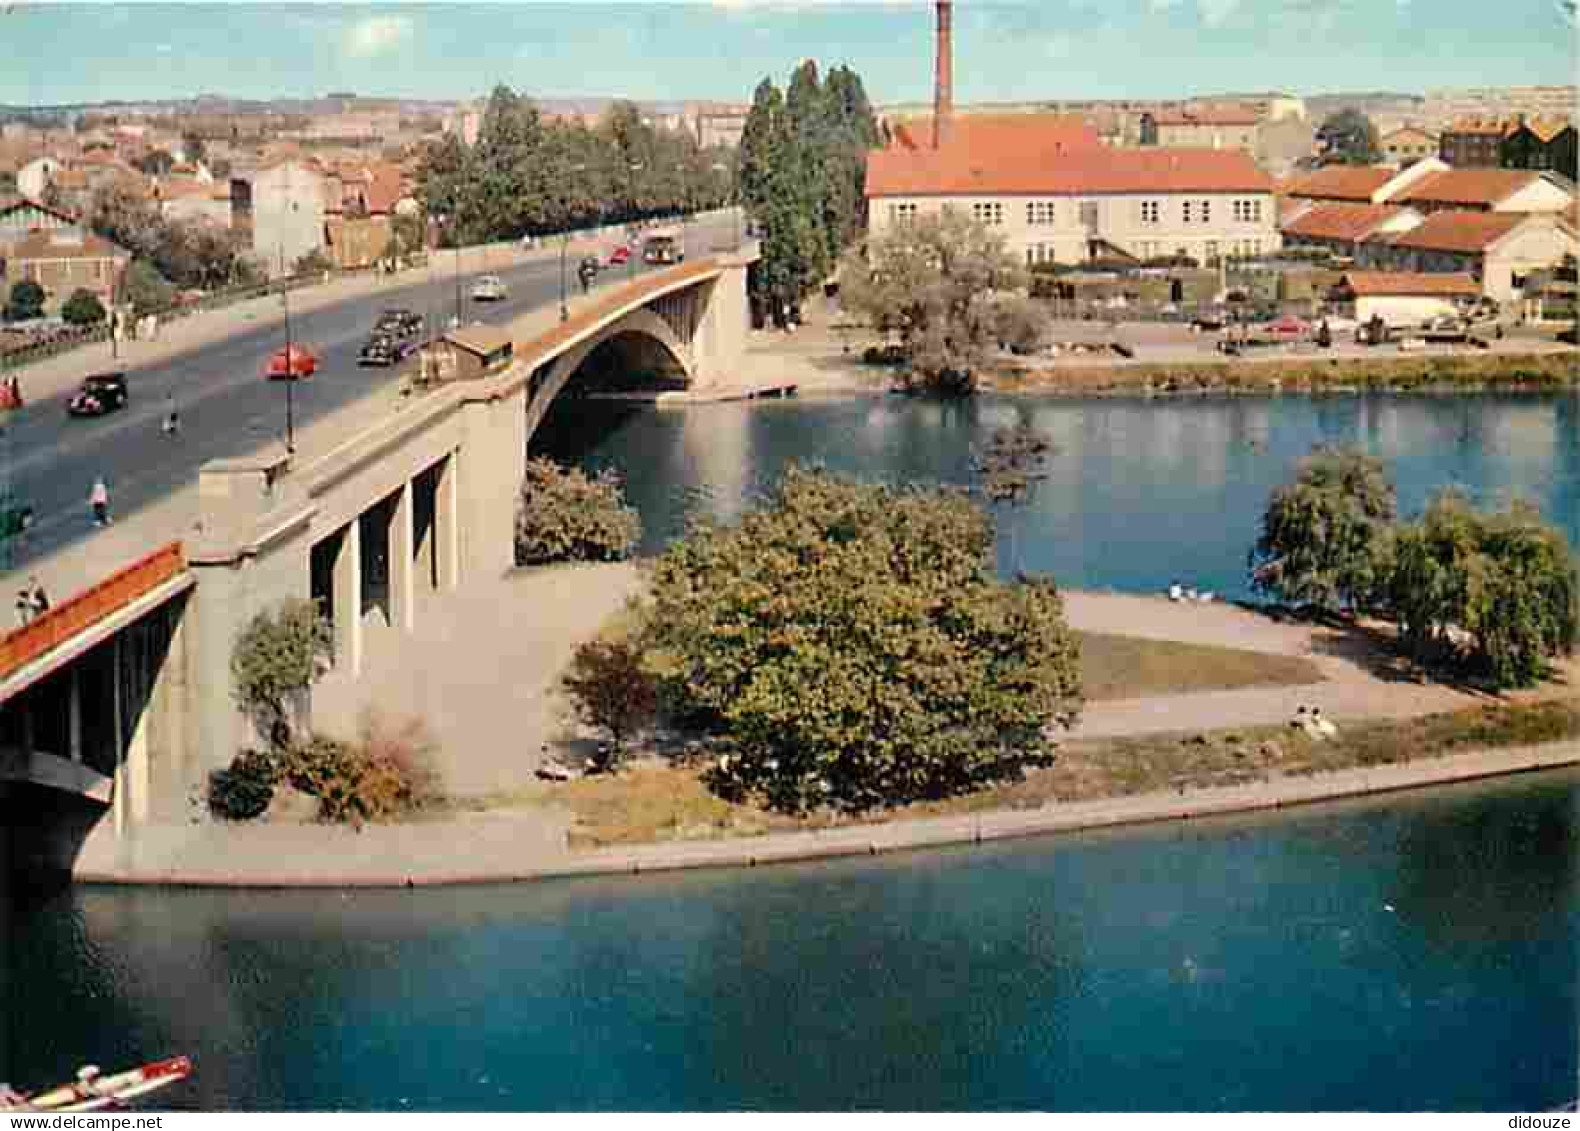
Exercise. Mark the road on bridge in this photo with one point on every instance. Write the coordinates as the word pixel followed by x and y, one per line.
pixel 228 408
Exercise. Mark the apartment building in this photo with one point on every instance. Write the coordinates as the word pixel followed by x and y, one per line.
pixel 1207 127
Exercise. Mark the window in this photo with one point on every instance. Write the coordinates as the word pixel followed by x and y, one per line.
pixel 1040 213
pixel 1212 251
pixel 1089 215
pixel 1206 212
pixel 902 213
pixel 1149 212
pixel 991 213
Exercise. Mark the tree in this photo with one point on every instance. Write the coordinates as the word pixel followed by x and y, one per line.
pixel 83 308
pixel 277 657
pixel 856 648
pixel 1325 537
pixel 565 516
pixel 193 147
pixel 155 163
pixel 26 301
pixel 1497 594
pixel 935 282
pixel 146 289
pixel 1348 137
pixel 612 691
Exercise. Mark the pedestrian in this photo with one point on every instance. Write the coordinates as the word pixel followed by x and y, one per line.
pixel 38 599
pixel 24 607
pixel 99 500
pixel 172 421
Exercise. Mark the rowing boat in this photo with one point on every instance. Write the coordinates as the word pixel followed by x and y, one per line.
pixel 94 1091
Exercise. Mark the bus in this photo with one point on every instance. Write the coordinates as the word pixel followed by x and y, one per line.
pixel 664 245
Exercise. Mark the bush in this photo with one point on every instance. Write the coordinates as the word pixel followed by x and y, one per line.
pixel 612 691
pixel 83 308
pixel 26 302
pixel 146 289
pixel 564 516
pixel 386 773
pixel 275 660
pixel 243 790
pixel 854 644
pixel 314 262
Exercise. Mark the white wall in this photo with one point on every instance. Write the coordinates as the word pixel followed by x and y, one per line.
pixel 1402 310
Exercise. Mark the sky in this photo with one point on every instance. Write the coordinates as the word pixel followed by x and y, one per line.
pixel 52 53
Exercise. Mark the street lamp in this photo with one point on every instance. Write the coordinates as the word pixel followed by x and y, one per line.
pixel 630 262
pixel 290 362
pixel 720 167
pixel 565 243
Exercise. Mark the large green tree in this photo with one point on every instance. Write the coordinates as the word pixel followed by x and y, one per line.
pixel 854 644
pixel 940 284
pixel 1325 537
pixel 1348 137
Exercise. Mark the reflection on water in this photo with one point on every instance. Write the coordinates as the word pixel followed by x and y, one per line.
pixel 1140 493
pixel 1399 954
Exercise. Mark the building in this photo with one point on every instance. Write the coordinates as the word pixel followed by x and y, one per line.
pixel 1402 298
pixel 1498 249
pixel 1342 227
pixel 64 260
pixel 1542 145
pixel 472 351
pixel 35 176
pixel 1481 190
pixel 1353 184
pixel 721 127
pixel 1475 141
pixel 21 217
pixel 1207 127
pixel 1407 145
pixel 1047 137
pixel 285 208
pixel 194 202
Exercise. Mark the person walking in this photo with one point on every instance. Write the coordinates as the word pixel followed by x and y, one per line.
pixel 99 501
pixel 24 607
pixel 172 421
pixel 38 599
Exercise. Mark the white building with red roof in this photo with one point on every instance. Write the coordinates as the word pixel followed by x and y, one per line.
pixel 1498 249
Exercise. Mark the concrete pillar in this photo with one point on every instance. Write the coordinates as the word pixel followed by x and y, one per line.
pixel 446 522
pixel 74 716
pixel 135 769
pixel 348 599
pixel 120 799
pixel 403 565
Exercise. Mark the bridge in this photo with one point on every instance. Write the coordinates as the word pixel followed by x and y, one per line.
pixel 117 703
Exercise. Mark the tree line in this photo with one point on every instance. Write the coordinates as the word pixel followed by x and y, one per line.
pixel 803 160
pixel 529 175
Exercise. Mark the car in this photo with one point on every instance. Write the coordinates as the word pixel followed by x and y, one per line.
pixel 387 349
pixel 590 265
pixel 100 393
pixel 397 321
pixel 291 363
pixel 619 255
pixel 1208 320
pixel 489 288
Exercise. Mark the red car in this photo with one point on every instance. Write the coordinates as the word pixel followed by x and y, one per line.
pixel 302 362
pixel 619 255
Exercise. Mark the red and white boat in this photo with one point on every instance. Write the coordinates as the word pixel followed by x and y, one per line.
pixel 94 1091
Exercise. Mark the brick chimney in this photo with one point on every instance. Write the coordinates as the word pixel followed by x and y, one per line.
pixel 944 76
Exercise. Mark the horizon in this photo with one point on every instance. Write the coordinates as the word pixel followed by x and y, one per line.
pixel 655 52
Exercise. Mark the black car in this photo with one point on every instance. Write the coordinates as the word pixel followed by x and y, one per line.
pixel 100 393
pixel 399 322
pixel 386 349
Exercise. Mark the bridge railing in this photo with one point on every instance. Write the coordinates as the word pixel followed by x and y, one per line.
pixel 74 615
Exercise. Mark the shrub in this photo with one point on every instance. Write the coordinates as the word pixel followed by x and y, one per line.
pixel 244 789
pixel 315 262
pixel 83 308
pixel 26 301
pixel 612 691
pixel 146 289
pixel 386 773
pixel 276 658
pixel 856 647
pixel 565 516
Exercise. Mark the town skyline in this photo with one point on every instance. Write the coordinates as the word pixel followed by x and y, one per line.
pixel 719 50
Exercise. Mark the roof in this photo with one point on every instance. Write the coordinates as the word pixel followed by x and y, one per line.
pixel 7 203
pixel 53 244
pixel 1341 182
pixel 1497 127
pixel 1546 129
pixel 1454 230
pixel 1485 187
pixel 1415 130
pixel 956 170
pixel 1046 134
pixel 1408 283
pixel 1208 116
pixel 480 339
pixel 386 189
pixel 1341 221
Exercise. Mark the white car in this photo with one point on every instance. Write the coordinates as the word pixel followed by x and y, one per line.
pixel 490 288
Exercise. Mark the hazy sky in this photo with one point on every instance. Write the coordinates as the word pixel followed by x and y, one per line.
pixel 58 52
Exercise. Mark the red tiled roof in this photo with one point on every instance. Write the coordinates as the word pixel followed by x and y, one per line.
pixel 388 186
pixel 1497 127
pixel 49 244
pixel 9 202
pixel 1208 116
pixel 1547 129
pixel 1341 182
pixel 1468 186
pixel 957 171
pixel 1453 230
pixel 1046 134
pixel 1341 221
pixel 1408 283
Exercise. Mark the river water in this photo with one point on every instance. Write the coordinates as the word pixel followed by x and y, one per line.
pixel 1406 953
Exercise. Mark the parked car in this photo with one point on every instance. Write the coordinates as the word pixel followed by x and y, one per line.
pixel 387 349
pixel 1209 320
pixel 1444 328
pixel 619 255
pixel 489 288
pixel 299 362
pixel 99 394
pixel 398 321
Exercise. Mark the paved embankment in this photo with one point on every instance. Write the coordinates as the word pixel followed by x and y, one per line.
pixel 511 847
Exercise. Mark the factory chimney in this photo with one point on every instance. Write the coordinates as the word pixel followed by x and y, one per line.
pixel 944 76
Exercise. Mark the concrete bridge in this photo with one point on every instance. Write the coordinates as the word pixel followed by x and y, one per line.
pixel 120 699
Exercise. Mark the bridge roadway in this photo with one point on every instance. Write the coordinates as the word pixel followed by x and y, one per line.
pixel 228 409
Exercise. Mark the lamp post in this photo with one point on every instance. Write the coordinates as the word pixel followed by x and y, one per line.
pixel 630 263
pixel 735 204
pixel 565 243
pixel 290 361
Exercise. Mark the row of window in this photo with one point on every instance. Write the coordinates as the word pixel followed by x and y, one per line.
pixel 1045 213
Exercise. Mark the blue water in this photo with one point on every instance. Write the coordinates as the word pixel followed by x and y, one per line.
pixel 1140 492
pixel 1241 964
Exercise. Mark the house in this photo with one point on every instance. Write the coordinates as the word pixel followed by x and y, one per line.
pixel 473 351
pixel 1069 205
pixel 20 217
pixel 1207 127
pixel 1474 141
pixel 285 204
pixel 35 176
pixel 1499 249
pixel 62 260
pixel 1048 136
pixel 1341 227
pixel 1402 298
pixel 1539 144
pixel 194 201
pixel 1353 184
pixel 1483 190
pixel 1407 145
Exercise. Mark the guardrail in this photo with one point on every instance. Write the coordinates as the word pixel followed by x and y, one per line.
pixel 83 610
